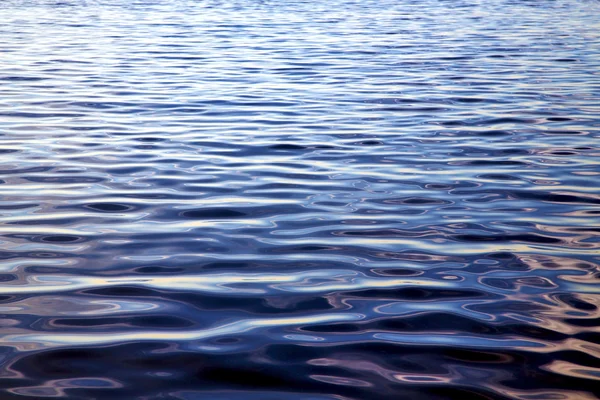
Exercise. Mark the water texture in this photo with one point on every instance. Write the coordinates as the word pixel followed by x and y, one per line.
pixel 316 200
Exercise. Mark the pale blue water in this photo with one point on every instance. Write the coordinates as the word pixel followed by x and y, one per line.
pixel 299 199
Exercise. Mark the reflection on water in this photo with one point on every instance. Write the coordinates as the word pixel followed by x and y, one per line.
pixel 332 200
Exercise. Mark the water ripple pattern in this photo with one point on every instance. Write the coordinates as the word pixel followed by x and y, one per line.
pixel 304 200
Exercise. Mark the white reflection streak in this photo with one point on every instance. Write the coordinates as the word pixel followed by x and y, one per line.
pixel 326 281
pixel 57 340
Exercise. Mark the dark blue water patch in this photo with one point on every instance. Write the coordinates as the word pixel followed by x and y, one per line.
pixel 211 213
pixel 499 177
pixel 22 78
pixel 165 322
pixel 26 170
pixel 564 132
pixel 8 277
pixel 158 269
pixel 529 238
pixel 386 233
pixel 6 255
pixel 292 147
pixel 64 179
pixel 559 119
pixel 49 238
pixel 412 294
pixel 109 207
pixel 555 197
pixel 417 201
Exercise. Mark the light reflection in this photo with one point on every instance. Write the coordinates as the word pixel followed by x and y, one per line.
pixel 27 342
pixel 221 282
pixel 267 200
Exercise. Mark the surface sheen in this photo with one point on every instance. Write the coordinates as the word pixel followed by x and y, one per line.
pixel 316 200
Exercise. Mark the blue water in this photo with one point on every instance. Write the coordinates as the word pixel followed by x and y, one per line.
pixel 316 200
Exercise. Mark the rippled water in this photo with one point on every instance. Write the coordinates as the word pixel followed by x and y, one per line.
pixel 246 199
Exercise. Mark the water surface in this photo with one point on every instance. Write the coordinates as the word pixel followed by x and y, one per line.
pixel 316 200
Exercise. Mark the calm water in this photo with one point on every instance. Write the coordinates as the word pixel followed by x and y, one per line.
pixel 307 200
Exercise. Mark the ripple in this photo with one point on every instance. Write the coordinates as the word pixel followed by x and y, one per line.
pixel 333 200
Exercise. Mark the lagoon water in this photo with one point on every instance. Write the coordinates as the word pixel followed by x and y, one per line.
pixel 320 200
